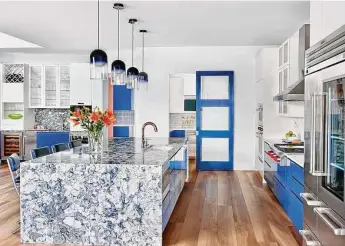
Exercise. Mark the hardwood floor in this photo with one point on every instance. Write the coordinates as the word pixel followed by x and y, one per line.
pixel 215 208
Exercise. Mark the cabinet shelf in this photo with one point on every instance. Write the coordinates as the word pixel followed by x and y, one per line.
pixel 337 165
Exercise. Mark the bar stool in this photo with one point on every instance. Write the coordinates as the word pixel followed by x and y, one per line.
pixel 76 143
pixel 60 147
pixel 39 152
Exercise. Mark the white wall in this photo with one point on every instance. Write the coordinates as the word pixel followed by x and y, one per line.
pixel 325 17
pixel 153 105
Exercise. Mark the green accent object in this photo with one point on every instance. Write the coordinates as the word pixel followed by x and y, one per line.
pixel 189 105
pixel 15 116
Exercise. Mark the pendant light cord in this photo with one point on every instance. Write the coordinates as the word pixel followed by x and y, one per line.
pixel 143 53
pixel 132 43
pixel 98 25
pixel 118 34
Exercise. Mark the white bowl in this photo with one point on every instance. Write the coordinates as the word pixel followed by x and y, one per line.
pixel 292 138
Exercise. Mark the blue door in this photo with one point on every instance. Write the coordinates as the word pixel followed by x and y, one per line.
pixel 214 120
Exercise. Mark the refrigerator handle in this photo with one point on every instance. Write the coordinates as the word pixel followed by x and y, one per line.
pixel 332 220
pixel 315 100
pixel 309 238
pixel 311 200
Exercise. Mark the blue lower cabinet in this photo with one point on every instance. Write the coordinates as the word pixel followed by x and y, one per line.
pixel 295 211
pixel 121 131
pixel 0 145
pixel 281 194
pixel 177 134
pixel 50 138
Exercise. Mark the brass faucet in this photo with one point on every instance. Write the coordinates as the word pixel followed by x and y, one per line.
pixel 143 140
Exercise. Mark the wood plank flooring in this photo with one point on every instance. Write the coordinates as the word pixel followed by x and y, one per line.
pixel 215 208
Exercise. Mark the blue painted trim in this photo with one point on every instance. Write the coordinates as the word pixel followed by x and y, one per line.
pixel 121 131
pixel 214 165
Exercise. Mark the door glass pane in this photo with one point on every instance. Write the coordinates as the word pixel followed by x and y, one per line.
pixel 215 118
pixel 35 86
pixel 336 137
pixel 50 85
pixel 215 87
pixel 214 149
pixel 64 86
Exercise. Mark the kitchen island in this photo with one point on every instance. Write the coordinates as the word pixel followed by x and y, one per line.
pixel 117 197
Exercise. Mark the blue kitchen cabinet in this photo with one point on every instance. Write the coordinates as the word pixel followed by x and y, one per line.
pixel 0 146
pixel 122 98
pixel 50 138
pixel 121 131
pixel 177 133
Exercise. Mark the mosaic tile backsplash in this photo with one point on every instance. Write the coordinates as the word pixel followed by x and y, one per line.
pixel 52 119
pixel 124 117
pixel 182 120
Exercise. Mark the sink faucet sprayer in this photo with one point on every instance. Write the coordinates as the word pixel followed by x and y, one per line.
pixel 143 140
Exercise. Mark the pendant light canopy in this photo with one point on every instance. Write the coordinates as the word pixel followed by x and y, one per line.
pixel 98 58
pixel 143 77
pixel 118 67
pixel 132 72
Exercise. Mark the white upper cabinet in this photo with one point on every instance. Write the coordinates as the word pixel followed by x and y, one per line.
pixel 80 84
pixel 189 85
pixel 284 54
pixel 176 92
pixel 49 86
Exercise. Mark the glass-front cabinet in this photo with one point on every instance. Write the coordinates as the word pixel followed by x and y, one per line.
pixel 335 137
pixel 49 86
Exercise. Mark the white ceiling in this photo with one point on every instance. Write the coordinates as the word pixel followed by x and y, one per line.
pixel 72 25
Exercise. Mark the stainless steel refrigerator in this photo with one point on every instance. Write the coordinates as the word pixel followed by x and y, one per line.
pixel 324 201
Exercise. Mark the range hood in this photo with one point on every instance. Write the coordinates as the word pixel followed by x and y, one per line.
pixel 295 92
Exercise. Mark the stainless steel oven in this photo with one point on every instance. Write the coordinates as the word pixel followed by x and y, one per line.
pixel 271 160
pixel 325 138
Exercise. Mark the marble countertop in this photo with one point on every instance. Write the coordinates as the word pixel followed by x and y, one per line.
pixel 120 151
pixel 297 158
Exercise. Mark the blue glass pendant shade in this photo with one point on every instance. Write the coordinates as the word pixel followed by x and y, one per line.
pixel 98 58
pixel 143 77
pixel 118 66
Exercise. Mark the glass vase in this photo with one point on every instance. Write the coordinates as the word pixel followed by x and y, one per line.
pixel 95 142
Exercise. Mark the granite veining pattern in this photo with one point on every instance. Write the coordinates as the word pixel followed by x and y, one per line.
pixel 111 199
pixel 52 119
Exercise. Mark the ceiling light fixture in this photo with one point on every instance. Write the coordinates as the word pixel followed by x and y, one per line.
pixel 98 59
pixel 143 77
pixel 118 67
pixel 132 72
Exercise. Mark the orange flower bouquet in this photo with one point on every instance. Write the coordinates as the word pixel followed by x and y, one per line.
pixel 93 122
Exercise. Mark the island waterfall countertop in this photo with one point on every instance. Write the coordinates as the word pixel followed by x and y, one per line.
pixel 113 198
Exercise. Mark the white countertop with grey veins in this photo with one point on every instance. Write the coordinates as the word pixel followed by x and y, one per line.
pixel 114 198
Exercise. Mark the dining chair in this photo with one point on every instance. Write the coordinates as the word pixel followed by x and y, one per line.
pixel 76 143
pixel 60 147
pixel 39 152
pixel 13 162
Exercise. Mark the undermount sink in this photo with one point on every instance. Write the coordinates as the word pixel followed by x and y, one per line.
pixel 160 147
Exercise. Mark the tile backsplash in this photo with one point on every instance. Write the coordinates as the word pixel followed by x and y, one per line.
pixel 52 119
pixel 182 121
pixel 124 117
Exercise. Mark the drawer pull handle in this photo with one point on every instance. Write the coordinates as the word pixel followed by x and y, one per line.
pixel 332 220
pixel 311 200
pixel 309 238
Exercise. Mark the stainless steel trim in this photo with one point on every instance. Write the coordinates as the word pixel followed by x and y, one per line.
pixel 311 200
pixel 312 134
pixel 166 191
pixel 24 144
pixel 309 238
pixel 332 220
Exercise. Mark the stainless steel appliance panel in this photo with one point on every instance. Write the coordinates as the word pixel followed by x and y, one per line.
pixel 270 166
pixel 29 143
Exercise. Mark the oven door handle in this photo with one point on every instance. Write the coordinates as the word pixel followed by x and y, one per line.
pixel 332 220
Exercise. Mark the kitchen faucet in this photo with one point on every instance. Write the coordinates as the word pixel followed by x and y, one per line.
pixel 143 140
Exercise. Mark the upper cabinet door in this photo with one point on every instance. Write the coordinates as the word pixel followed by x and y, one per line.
pixel 80 84
pixel 176 95
pixel 189 85
pixel 64 85
pixel 51 80
pixel 36 86
pixel 284 54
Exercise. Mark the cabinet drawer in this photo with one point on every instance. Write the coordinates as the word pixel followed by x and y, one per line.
pixel 281 193
pixel 295 186
pixel 297 172
pixel 295 211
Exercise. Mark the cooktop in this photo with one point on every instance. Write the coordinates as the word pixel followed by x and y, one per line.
pixel 290 148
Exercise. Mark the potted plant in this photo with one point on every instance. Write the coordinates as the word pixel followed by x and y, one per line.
pixel 94 122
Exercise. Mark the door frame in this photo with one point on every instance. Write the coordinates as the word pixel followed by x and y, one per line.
pixel 215 165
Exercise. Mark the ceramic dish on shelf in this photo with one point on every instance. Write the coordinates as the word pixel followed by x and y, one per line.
pixel 15 116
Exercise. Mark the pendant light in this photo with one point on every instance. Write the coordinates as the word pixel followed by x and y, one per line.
pixel 143 78
pixel 98 59
pixel 132 72
pixel 118 67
